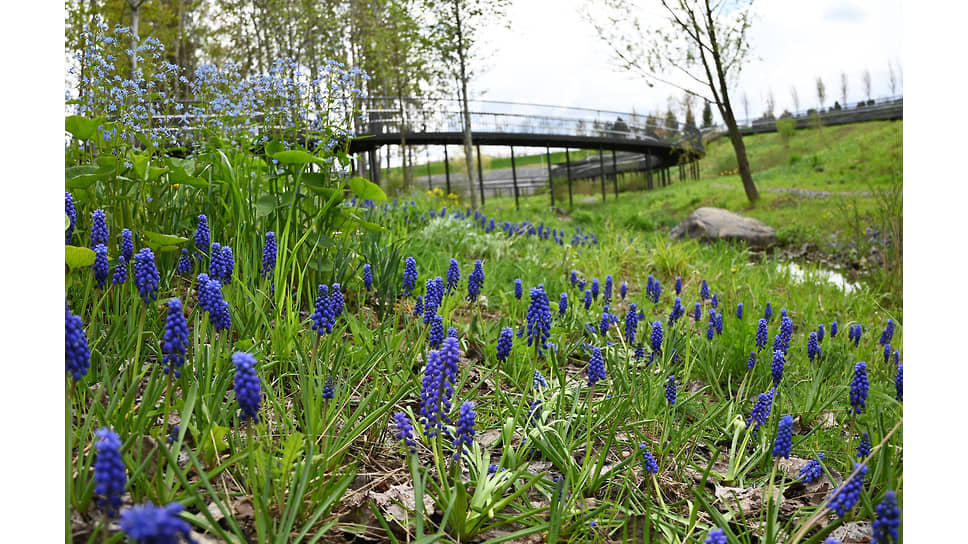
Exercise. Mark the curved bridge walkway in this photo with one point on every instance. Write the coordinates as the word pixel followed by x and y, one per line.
pixel 633 145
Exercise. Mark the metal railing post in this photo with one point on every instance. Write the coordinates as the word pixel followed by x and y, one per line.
pixel 571 203
pixel 447 169
pixel 551 183
pixel 601 165
pixel 480 175
pixel 514 178
pixel 615 173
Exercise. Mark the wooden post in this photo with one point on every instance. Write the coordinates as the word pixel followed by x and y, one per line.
pixel 514 178
pixel 601 166
pixel 480 175
pixel 551 184
pixel 447 169
pixel 571 203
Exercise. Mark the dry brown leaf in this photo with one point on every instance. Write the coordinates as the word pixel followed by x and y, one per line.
pixel 397 495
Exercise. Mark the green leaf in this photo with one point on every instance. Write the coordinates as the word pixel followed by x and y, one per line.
pixel 78 257
pixel 184 166
pixel 367 190
pixel 155 172
pixel 265 205
pixel 163 242
pixel 214 443
pixel 81 127
pixel 273 147
pixel 295 156
pixel 67 221
pixel 80 177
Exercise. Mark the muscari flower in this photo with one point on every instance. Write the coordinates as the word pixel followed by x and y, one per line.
pixel 440 374
pixel 711 328
pixel 539 318
pixel 596 367
pixel 623 289
pixel 768 312
pixel 150 524
pixel 777 368
pixel 418 307
pixel 857 332
pixel 595 288
pixel 784 438
pixel 833 329
pixel 631 324
pixel 648 460
pixel 739 311
pixel 435 337
pixel 655 339
pixel 813 350
pixel 858 388
pixel 202 235
pixel 405 430
pixel 715 536
pixel 367 277
pixel 465 428
pixel 845 497
pixel 812 471
pixel 77 354
pixel 475 282
pixel 864 446
pixel 677 311
pixel 678 285
pixel 453 276
pixel 504 344
pixel 329 391
pixel 109 475
pixel 248 390
pixel 899 382
pixel 210 299
pixel 588 299
pixel 71 215
pixel 719 323
pixel 100 265
pixel 538 380
pixel 174 343
pixel 99 228
pixel 606 320
pixel 322 316
pixel 697 313
pixel 184 263
pixel 671 390
pixel 146 275
pixel 574 278
pixel 704 291
pixel 820 333
pixel 562 304
pixel 127 245
pixel 714 302
pixel 269 255
pixel 761 411
pixel 518 290
pixel 409 275
pixel 607 293
pixel 888 520
pixel 888 333
pixel 640 352
pixel 336 301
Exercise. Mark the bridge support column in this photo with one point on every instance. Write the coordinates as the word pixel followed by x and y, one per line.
pixel 601 166
pixel 480 174
pixel 615 173
pixel 447 169
pixel 374 166
pixel 551 183
pixel 514 179
pixel 571 203
pixel 648 173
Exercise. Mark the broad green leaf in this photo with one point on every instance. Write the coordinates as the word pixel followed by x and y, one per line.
pixel 155 172
pixel 78 257
pixel 107 163
pixel 372 227
pixel 81 127
pixel 163 242
pixel 367 190
pixel 140 163
pixel 74 171
pixel 185 166
pixel 80 177
pixel 294 156
pixel 273 147
pixel 264 205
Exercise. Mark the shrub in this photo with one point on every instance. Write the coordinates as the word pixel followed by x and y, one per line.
pixel 786 128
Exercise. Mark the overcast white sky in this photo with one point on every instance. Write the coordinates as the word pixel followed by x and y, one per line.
pixel 552 56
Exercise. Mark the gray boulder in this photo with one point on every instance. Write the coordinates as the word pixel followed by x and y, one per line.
pixel 717 223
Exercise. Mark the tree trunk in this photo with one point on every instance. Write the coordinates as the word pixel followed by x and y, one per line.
pixel 468 144
pixel 742 162
pixel 135 21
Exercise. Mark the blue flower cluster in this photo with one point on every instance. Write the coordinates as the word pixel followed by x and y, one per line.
pixel 655 339
pixel 782 340
pixel 631 324
pixel 677 311
pixel 768 312
pixel 697 313
pixel 777 369
pixel 222 264
pixel 184 263
pixel 504 344
pixel 670 393
pixel 120 274
pixel 761 411
pixel 854 334
pixel 539 318
pixel 146 275
pixel 248 390
pixel 322 316
pixel 368 277
pixel 899 383
pixel 127 245
pixel 651 466
pixel 100 265
pixel 588 298
pixel 607 293
pixel 453 276
pixel 714 302
pixel 751 362
pixel 858 388
pixel 518 290
pixel 833 329
pixel 654 293
pixel 269 255
pixel 888 333
pixel 440 375
pixel 864 446
pixel 77 354
pixel 678 285
pixel 595 288
pixel 704 291
pixel 888 520
pixel 715 536
pixel 329 389
pixel 820 333
pixel 405 430
pixel 845 497
pixel 99 228
pixel 465 429
pixel 596 367
pixel 210 299
pixel 813 349
pixel 174 343
pixel 433 297
pixel 409 275
pixel 475 282
pixel 203 235
pixel 812 471
pixel 739 311
pixel 623 290
pixel 761 335
pixel 538 380
pixel 784 438
pixel 150 524
pixel 336 301
pixel 562 304
pixel 71 213
pixel 109 475
pixel 435 336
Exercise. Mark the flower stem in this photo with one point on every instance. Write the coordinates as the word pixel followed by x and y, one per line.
pixel 69 424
